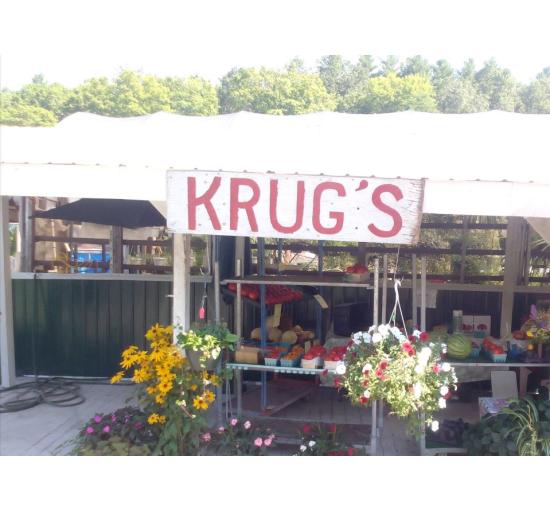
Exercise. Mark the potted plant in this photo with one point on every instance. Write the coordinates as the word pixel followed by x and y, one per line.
pixel 204 344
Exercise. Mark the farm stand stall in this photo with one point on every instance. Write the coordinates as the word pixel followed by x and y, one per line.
pixel 488 164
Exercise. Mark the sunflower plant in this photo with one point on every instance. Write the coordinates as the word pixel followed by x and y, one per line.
pixel 405 372
pixel 174 396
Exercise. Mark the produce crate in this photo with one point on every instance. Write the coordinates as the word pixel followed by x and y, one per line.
pixel 498 358
pixel 271 362
pixel 331 365
pixel 291 362
pixel 311 363
pixel 356 277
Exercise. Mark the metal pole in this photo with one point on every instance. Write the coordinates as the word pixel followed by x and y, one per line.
pixel 217 294
pixel 384 288
pixel 373 429
pixel 414 274
pixel 239 333
pixel 375 291
pixel 263 318
pixel 423 295
pixel 318 309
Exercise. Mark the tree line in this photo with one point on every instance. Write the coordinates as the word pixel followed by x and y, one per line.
pixel 365 86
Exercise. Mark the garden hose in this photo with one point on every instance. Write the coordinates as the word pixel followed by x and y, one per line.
pixel 54 391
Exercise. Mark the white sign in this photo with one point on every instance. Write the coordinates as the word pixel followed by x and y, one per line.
pixel 295 206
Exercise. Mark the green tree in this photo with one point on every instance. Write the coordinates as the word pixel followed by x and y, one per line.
pixel 336 74
pixel 536 95
pixel 392 93
pixel 192 96
pixel 48 96
pixel 268 91
pixel 415 65
pixel 94 96
pixel 498 85
pixel 389 66
pixel 15 112
pixel 460 96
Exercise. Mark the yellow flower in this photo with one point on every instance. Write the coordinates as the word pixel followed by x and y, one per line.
pixel 128 361
pixel 200 403
pixel 160 399
pixel 153 418
pixel 151 390
pixel 130 351
pixel 165 386
pixel 156 355
pixel 194 387
pixel 209 396
pixel 215 380
pixel 117 377
pixel 162 418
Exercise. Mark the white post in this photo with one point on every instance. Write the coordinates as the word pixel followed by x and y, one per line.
pixel 182 281
pixel 423 294
pixel 512 269
pixel 7 348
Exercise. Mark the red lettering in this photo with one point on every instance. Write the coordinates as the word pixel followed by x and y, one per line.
pixel 248 206
pixel 273 194
pixel 390 211
pixel 337 216
pixel 193 202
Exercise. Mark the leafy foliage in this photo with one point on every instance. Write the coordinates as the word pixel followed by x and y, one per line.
pixel 237 438
pixel 521 429
pixel 323 440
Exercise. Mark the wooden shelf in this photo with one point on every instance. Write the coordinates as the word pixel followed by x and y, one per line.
pixel 313 280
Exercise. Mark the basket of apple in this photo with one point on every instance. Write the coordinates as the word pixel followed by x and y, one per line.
pixel 357 273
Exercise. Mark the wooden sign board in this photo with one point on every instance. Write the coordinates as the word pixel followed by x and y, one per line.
pixel 295 206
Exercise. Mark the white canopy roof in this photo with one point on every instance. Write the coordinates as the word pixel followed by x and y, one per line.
pixel 492 163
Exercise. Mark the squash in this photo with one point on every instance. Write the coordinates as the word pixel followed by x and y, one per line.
pixel 290 337
pixel 274 334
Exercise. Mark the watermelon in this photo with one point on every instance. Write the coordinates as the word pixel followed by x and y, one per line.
pixel 458 346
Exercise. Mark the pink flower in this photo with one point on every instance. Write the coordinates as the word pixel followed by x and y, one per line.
pixel 424 337
pixel 379 372
pixel 113 418
pixel 89 430
pixel 206 437
pixel 383 365
pixel 234 422
pixel 106 429
pixel 436 369
pixel 221 430
pixel 258 442
pixel 332 429
pixel 325 372
pixel 406 346
pixel 247 425
pixel 336 382
pixel 267 441
pixel 97 418
pixel 306 429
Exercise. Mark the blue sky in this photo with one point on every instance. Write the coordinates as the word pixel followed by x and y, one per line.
pixel 71 41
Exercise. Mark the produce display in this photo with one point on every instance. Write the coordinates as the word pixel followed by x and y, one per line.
pixel 274 294
pixel 356 273
pixel 458 346
pixel 495 351
pixel 357 269
pixel 288 336
pixel 334 356
pixel 273 354
pixel 313 357
pixel 292 358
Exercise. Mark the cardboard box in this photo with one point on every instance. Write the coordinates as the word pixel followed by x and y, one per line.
pixel 250 355
pixel 473 323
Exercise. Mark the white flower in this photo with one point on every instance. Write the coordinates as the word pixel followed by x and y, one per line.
pixel 367 367
pixel 215 352
pixel 366 394
pixel 445 366
pixel 419 368
pixel 444 390
pixel 311 444
pixel 372 328
pixel 357 337
pixel 401 337
pixel 431 344
pixel 426 352
pixel 417 388
pixel 247 425
pixel 395 331
pixel 435 426
pixel 416 333
pixel 442 403
pixel 376 338
pixel 367 338
pixel 340 369
pixel 383 330
pixel 444 348
pixel 303 448
pixel 455 380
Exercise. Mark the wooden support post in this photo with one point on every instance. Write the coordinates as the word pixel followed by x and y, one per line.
pixel 7 347
pixel 512 270
pixel 116 249
pixel 182 282
pixel 414 300
pixel 463 248
pixel 239 324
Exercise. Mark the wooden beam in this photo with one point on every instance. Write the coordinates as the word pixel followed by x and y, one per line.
pixel 116 249
pixel 7 347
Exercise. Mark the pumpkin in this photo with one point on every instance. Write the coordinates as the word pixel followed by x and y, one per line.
pixel 290 337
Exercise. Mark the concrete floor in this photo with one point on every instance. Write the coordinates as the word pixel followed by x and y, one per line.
pixel 46 430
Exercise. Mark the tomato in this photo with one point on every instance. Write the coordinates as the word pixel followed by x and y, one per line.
pixel 232 287
pixel 254 295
